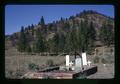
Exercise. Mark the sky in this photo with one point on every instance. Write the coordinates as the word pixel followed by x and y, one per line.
pixel 24 15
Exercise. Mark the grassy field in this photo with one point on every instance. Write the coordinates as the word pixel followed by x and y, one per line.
pixel 17 63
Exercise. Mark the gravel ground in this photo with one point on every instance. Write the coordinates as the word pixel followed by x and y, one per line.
pixel 104 72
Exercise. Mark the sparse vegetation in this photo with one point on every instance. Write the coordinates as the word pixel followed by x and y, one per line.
pixel 104 61
pixel 96 60
pixel 33 66
pixel 49 62
pixel 14 74
pixel 107 34
pixel 68 36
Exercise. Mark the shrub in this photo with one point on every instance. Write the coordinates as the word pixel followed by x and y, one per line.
pixel 90 51
pixel 96 59
pixel 49 62
pixel 109 58
pixel 19 73
pixel 33 66
pixel 103 61
pixel 9 74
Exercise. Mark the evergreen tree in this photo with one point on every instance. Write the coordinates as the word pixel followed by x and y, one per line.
pixel 79 38
pixel 92 31
pixel 39 45
pixel 29 27
pixel 91 35
pixel 61 43
pixel 68 43
pixel 83 35
pixel 55 43
pixel 42 21
pixel 28 48
pixel 22 41
pixel 62 20
pixel 32 27
pixel 73 39
pixel 106 34
pixel 50 45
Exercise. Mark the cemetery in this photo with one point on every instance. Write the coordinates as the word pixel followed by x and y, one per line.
pixel 72 69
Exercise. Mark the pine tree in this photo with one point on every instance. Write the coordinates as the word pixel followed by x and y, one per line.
pixel 28 48
pixel 79 38
pixel 92 32
pixel 61 43
pixel 91 35
pixel 55 43
pixel 83 36
pixel 68 43
pixel 43 26
pixel 32 27
pixel 71 41
pixel 50 45
pixel 42 21
pixel 74 40
pixel 39 45
pixel 106 34
pixel 22 41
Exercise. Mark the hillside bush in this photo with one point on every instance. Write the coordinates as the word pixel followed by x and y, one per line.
pixel 49 62
pixel 33 66
pixel 103 60
pixel 96 59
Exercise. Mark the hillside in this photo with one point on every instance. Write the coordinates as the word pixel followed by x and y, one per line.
pixel 65 25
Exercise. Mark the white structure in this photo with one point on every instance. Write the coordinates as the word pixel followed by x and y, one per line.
pixel 84 58
pixel 78 62
pixel 89 62
pixel 67 60
pixel 71 63
pixel 72 68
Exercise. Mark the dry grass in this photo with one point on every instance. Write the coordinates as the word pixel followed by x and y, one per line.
pixel 104 72
pixel 17 61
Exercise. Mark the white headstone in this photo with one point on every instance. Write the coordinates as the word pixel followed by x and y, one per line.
pixel 67 60
pixel 84 59
pixel 78 62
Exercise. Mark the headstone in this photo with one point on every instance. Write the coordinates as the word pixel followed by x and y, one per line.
pixel 84 58
pixel 78 62
pixel 67 60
